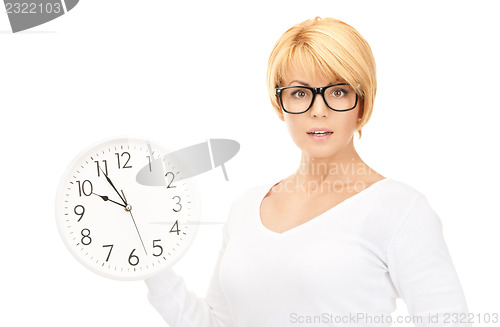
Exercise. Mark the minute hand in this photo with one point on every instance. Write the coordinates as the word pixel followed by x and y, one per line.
pixel 114 188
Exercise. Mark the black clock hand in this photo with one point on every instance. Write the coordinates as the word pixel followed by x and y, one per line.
pixel 105 198
pixel 124 196
pixel 114 188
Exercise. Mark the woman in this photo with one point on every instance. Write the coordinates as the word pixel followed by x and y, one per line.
pixel 335 243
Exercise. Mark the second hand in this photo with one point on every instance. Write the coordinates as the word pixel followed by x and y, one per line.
pixel 129 209
pixel 137 229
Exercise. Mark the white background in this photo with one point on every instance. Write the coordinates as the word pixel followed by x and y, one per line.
pixel 179 73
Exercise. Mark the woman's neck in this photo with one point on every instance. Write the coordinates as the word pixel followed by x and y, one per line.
pixel 337 171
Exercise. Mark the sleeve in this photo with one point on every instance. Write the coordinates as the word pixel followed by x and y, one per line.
pixel 180 307
pixel 422 270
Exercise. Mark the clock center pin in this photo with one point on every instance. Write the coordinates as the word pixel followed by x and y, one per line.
pixel 128 207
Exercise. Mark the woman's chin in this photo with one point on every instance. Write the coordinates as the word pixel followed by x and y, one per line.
pixel 317 152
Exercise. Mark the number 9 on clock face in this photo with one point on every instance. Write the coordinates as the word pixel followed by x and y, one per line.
pixel 117 227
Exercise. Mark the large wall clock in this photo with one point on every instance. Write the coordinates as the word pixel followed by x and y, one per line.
pixel 120 228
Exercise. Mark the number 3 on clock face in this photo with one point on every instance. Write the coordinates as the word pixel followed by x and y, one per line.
pixel 117 227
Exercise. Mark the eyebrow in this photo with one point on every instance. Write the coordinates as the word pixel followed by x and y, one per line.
pixel 307 84
pixel 300 82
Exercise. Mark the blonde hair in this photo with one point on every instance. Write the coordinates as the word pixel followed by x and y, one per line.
pixel 330 48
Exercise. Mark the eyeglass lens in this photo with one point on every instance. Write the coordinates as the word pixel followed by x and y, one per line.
pixel 298 99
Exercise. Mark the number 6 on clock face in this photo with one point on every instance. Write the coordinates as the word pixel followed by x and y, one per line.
pixel 117 227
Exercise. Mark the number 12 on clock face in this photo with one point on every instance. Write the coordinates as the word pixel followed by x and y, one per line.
pixel 117 227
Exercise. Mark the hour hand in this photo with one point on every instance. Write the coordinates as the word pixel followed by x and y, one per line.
pixel 105 198
pixel 114 188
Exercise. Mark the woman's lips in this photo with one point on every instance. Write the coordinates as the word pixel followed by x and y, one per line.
pixel 319 133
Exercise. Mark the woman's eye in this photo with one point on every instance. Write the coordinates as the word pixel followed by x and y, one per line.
pixel 299 94
pixel 338 93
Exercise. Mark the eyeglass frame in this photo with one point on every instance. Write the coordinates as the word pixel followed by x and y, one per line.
pixel 315 91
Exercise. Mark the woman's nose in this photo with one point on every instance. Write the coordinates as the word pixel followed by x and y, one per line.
pixel 319 107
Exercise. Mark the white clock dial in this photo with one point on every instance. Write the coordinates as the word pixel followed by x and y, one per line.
pixel 117 227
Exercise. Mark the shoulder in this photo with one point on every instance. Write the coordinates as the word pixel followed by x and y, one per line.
pixel 396 191
pixel 397 186
pixel 397 211
pixel 392 201
pixel 414 212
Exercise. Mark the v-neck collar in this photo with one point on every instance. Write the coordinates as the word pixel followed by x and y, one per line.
pixel 292 230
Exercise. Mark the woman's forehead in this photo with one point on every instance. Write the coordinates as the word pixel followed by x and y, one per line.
pixel 310 75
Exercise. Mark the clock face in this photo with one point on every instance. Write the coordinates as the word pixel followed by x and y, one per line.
pixel 118 227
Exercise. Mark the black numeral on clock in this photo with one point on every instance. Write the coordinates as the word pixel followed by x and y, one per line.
pixel 99 168
pixel 84 187
pixel 110 246
pixel 176 230
pixel 127 156
pixel 178 203
pixel 86 240
pixel 81 209
pixel 133 259
pixel 158 247
pixel 172 174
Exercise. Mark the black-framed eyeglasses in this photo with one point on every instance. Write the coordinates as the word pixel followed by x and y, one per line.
pixel 299 99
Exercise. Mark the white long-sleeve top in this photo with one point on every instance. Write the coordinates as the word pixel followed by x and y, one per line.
pixel 344 267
